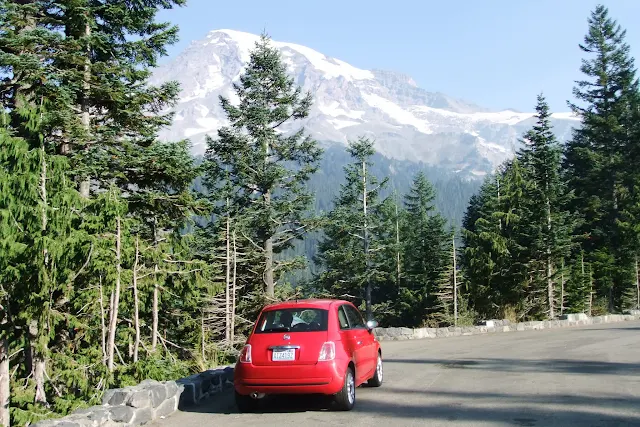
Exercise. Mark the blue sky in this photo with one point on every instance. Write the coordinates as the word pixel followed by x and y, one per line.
pixel 496 53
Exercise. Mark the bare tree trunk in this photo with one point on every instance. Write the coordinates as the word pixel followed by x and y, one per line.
pixel 5 375
pixel 38 374
pixel 156 292
pixel 102 324
pixel 268 273
pixel 366 241
pixel 562 289
pixel 35 327
pixel 233 288
pixel 455 284
pixel 268 243
pixel 500 219
pixel 590 291
pixel 5 390
pixel 550 285
pixel 85 185
pixel 582 276
pixel 113 322
pixel 136 313
pixel 637 286
pixel 398 271
pixel 202 343
pixel 550 290
pixel 268 257
pixel 227 308
pixel 154 323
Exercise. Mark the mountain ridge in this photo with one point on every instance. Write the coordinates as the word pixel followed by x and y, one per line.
pixel 406 121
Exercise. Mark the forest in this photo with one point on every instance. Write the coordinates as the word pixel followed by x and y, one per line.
pixel 124 258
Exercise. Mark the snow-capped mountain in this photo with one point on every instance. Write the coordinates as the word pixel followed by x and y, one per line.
pixel 407 122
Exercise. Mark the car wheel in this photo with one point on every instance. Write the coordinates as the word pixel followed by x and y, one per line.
pixel 245 403
pixel 346 398
pixel 376 380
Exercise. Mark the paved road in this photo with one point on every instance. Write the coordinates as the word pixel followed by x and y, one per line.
pixel 585 376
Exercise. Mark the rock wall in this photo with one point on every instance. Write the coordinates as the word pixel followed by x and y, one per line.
pixel 151 400
pixel 147 401
pixel 495 326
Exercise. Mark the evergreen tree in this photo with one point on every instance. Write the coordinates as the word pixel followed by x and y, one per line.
pixel 426 246
pixel 447 310
pixel 109 51
pixel 580 286
pixel 485 248
pixel 83 66
pixel 28 43
pixel 596 158
pixel 389 260
pixel 352 251
pixel 266 168
pixel 481 244
pixel 550 229
pixel 496 242
pixel 43 252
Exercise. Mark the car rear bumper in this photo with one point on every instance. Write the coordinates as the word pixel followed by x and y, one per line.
pixel 321 378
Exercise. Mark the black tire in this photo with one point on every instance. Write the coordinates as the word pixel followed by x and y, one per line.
pixel 245 403
pixel 376 380
pixel 346 398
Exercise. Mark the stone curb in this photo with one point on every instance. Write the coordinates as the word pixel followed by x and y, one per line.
pixel 147 401
pixel 494 326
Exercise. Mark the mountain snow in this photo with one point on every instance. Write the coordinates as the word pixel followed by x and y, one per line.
pixel 406 122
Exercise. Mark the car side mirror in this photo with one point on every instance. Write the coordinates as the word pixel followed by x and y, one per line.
pixel 371 325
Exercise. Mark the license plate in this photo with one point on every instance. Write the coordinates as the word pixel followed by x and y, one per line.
pixel 283 355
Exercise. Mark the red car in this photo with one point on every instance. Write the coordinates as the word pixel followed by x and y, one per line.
pixel 308 347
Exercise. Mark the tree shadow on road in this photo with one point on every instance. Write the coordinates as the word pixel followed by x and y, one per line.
pixel 523 410
pixel 522 414
pixel 565 366
pixel 603 401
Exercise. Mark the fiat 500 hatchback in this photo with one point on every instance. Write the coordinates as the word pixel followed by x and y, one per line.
pixel 308 347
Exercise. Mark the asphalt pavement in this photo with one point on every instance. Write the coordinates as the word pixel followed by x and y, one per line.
pixel 585 376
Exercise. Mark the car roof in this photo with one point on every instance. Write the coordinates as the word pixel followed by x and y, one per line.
pixel 325 303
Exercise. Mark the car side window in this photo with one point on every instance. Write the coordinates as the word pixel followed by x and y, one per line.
pixel 355 318
pixel 342 318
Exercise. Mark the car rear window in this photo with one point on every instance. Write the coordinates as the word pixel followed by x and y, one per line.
pixel 293 320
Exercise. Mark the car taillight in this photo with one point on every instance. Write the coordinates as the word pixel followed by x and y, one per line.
pixel 245 354
pixel 327 352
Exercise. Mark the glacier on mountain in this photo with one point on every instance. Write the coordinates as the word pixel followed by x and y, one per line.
pixel 406 122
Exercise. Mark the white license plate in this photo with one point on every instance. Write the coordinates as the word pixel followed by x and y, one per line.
pixel 283 355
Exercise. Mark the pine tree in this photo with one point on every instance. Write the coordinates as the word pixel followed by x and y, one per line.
pixel 28 42
pixel 426 250
pixel 45 251
pixel 266 168
pixel 517 269
pixel 496 242
pixel 389 260
pixel 107 55
pixel 596 157
pixel 447 308
pixel 10 247
pixel 482 245
pixel 352 251
pixel 549 221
